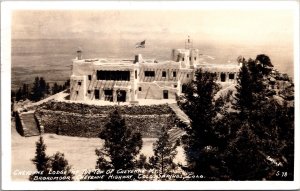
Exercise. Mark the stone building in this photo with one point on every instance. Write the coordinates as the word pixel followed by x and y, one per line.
pixel 131 80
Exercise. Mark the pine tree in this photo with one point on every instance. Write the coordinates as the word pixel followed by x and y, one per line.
pixel 47 91
pixel 199 106
pixel 243 97
pixel 25 91
pixel 121 145
pixel 41 159
pixel 57 165
pixel 43 85
pixel 266 64
pixel 256 146
pixel 19 94
pixel 164 153
pixel 55 88
pixel 36 90
pixel 60 164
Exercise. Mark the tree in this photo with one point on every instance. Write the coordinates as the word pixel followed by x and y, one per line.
pixel 60 164
pixel 199 105
pixel 19 94
pixel 41 159
pixel 265 62
pixel 55 88
pixel 25 91
pixel 37 90
pixel 47 91
pixel 164 153
pixel 55 168
pixel 43 85
pixel 256 147
pixel 243 96
pixel 121 145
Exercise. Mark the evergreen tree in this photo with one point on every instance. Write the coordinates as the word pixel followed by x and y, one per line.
pixel 243 96
pixel 164 153
pixel 47 91
pixel 19 94
pixel 60 164
pixel 41 159
pixel 265 62
pixel 121 145
pixel 199 106
pixel 43 85
pixel 37 93
pixel 25 91
pixel 257 143
pixel 55 88
pixel 57 165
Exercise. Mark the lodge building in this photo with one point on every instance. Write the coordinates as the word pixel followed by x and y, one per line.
pixel 131 80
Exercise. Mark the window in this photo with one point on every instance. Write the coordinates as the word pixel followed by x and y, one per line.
pixel 231 76
pixel 165 94
pixel 77 92
pixel 195 58
pixel 140 88
pixel 183 59
pixel 113 75
pixel 190 58
pixel 184 88
pixel 79 83
pixel 89 91
pixel 135 73
pixel 164 74
pixel 90 77
pixel 175 86
pixel 149 73
pixel 174 74
pixel 223 77
pixel 187 75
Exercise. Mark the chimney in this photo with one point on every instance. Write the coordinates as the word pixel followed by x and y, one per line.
pixel 137 58
pixel 79 55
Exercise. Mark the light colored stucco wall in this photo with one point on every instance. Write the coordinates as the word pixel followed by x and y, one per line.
pixel 140 86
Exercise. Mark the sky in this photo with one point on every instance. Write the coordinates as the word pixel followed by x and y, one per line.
pixel 228 26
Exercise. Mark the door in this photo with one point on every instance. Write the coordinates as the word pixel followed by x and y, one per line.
pixel 108 95
pixel 97 94
pixel 166 94
pixel 121 96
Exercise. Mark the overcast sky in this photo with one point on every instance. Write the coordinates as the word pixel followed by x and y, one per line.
pixel 234 26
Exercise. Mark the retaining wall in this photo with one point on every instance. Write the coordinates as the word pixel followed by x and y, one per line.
pixel 87 120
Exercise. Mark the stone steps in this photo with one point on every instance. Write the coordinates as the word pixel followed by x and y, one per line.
pixel 180 114
pixel 175 134
pixel 29 123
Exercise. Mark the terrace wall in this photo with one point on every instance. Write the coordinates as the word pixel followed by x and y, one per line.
pixel 88 121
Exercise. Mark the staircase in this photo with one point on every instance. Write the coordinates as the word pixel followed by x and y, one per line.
pixel 180 114
pixel 29 124
pixel 175 134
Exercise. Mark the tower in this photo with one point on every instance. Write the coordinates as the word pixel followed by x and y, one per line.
pixel 188 43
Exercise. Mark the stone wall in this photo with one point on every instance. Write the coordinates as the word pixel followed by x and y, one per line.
pixel 87 120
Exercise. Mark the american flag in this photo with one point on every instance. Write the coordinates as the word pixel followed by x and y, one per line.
pixel 140 44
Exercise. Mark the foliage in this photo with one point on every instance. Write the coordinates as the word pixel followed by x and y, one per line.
pixel 39 90
pixel 121 145
pixel 256 148
pixel 199 106
pixel 243 96
pixel 59 164
pixel 55 168
pixel 164 153
pixel 41 159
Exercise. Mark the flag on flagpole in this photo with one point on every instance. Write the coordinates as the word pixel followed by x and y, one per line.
pixel 140 44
